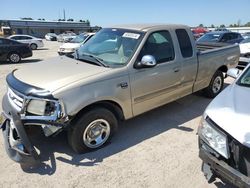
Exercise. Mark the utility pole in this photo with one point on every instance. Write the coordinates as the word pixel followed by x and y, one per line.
pixel 64 17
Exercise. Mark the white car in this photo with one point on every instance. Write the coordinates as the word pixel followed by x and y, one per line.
pixel 66 37
pixel 71 46
pixel 244 53
pixel 224 133
pixel 51 36
pixel 32 41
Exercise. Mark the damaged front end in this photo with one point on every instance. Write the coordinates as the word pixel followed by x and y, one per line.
pixel 24 105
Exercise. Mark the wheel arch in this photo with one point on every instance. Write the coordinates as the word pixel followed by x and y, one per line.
pixel 114 107
pixel 223 69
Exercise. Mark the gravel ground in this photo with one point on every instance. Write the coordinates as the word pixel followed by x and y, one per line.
pixel 156 149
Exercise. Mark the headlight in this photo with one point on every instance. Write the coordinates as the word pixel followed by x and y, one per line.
pixel 213 137
pixel 41 107
pixel 71 49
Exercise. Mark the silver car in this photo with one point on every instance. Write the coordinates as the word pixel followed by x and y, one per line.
pixel 224 133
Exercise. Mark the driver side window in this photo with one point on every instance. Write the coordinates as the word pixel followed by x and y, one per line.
pixel 160 45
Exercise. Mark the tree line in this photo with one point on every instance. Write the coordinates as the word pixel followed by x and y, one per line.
pixel 69 20
pixel 238 24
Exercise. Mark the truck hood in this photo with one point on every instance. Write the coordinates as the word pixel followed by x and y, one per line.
pixel 57 72
pixel 230 111
pixel 70 45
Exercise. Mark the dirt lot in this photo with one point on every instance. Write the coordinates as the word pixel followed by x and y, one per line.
pixel 157 149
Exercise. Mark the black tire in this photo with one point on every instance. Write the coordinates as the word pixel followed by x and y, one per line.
pixel 33 46
pixel 215 86
pixel 78 133
pixel 14 57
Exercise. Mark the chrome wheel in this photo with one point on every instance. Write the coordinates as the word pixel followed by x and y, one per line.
pixel 217 84
pixel 96 133
pixel 14 58
pixel 33 46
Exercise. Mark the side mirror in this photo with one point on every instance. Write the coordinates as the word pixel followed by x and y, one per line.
pixel 147 61
pixel 233 72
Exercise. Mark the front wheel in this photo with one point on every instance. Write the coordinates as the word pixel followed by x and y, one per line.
pixel 33 46
pixel 216 85
pixel 14 57
pixel 92 130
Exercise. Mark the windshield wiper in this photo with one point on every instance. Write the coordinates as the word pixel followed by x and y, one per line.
pixel 97 61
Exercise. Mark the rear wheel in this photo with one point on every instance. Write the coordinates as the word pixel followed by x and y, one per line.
pixel 14 57
pixel 216 85
pixel 33 46
pixel 92 130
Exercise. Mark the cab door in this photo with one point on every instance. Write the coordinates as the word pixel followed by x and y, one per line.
pixel 2 49
pixel 153 87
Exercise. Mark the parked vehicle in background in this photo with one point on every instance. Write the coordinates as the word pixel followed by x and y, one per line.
pixel 244 53
pixel 66 37
pixel 222 29
pixel 221 37
pixel 118 74
pixel 199 31
pixel 13 51
pixel 51 36
pixel 70 47
pixel 33 42
pixel 5 31
pixel 246 35
pixel 224 133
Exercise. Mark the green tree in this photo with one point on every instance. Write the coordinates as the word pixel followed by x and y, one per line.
pixel 201 25
pixel 222 26
pixel 26 18
pixel 247 24
pixel 212 26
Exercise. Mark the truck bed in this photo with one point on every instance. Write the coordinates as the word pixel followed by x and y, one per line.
pixel 202 46
pixel 213 58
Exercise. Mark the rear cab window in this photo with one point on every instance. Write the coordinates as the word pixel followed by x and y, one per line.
pixel 184 43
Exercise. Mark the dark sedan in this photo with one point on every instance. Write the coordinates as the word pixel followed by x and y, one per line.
pixel 13 51
pixel 221 37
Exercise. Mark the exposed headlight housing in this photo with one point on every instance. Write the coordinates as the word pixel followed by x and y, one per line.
pixel 216 139
pixel 41 107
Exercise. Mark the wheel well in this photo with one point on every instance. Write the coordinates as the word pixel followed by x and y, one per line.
pixel 223 68
pixel 110 105
pixel 12 53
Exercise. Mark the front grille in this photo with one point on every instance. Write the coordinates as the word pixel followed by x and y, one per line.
pixel 15 99
pixel 240 157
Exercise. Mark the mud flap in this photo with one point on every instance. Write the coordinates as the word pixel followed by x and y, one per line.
pixel 22 151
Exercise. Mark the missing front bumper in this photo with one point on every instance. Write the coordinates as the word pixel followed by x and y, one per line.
pixel 16 142
pixel 223 170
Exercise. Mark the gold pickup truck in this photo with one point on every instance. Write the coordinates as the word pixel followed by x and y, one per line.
pixel 121 72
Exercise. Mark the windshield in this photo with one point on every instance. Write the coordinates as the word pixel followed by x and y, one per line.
pixel 209 37
pixel 244 79
pixel 112 46
pixel 79 38
pixel 245 41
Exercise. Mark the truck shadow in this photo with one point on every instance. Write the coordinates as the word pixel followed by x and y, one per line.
pixel 130 133
pixel 24 61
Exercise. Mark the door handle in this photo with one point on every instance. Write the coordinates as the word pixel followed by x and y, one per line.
pixel 176 69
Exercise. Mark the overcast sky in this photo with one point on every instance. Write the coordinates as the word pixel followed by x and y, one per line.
pixel 112 12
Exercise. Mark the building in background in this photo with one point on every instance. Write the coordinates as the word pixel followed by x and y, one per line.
pixel 39 28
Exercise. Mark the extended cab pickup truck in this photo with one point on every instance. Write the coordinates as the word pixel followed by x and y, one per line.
pixel 118 74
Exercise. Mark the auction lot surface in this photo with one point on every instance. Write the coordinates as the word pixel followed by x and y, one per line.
pixel 156 149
